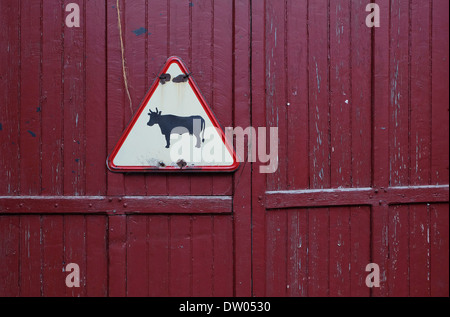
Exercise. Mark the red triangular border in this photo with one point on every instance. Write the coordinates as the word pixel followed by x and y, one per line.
pixel 212 117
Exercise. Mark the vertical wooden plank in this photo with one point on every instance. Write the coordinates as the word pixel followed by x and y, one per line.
pixel 10 255
pixel 419 251
pixel 222 76
pixel 277 254
pixel 74 109
pixel 202 256
pixel 134 35
pixel 298 253
pixel 180 263
pixel 318 259
pixel 319 144
pixel 439 223
pixel 116 100
pixel 380 103
pixel 137 260
pixel 10 97
pixel 340 252
pixel 30 256
pixel 380 247
pixel 96 256
pixel 294 262
pixel 96 147
pixel 179 28
pixel 341 104
pixel 440 94
pixel 258 73
pixel 117 248
pixel 398 277
pixel 75 251
pixel 51 107
pixel 180 45
pixel 157 37
pixel 52 259
pixel 276 86
pixel 157 50
pixel 360 246
pixel 399 93
pixel 222 80
pixel 361 95
pixel 222 256
pixel 380 145
pixel 318 95
pixel 30 86
pixel 297 98
pixel 341 101
pixel 420 78
pixel 202 68
pixel 158 255
pixel 242 179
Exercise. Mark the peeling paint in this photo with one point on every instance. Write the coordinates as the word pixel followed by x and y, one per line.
pixel 317 75
pixel 140 31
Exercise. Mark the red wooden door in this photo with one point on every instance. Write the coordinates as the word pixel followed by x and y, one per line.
pixel 362 116
pixel 363 125
pixel 64 108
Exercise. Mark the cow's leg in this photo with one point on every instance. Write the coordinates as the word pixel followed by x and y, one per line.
pixel 199 144
pixel 167 140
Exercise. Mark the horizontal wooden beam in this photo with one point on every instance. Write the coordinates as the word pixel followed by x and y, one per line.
pixel 116 205
pixel 356 196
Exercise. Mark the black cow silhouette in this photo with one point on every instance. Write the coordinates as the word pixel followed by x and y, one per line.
pixel 171 124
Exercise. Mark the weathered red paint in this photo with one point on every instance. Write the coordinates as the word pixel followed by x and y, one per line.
pixel 363 152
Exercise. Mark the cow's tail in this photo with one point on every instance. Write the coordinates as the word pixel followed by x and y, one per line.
pixel 203 130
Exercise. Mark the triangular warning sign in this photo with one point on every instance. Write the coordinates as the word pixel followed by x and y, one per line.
pixel 173 130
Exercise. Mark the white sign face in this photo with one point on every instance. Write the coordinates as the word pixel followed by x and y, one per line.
pixel 173 130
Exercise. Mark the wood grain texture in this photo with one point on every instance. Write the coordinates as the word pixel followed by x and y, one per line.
pixel 10 98
pixel 258 74
pixel 30 89
pixel 359 196
pixel 52 108
pixel 319 99
pixel 341 102
pixel 135 40
pixel 440 94
pixel 116 205
pixel 242 178
pixel 362 109
pixel 116 101
pixel 95 98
